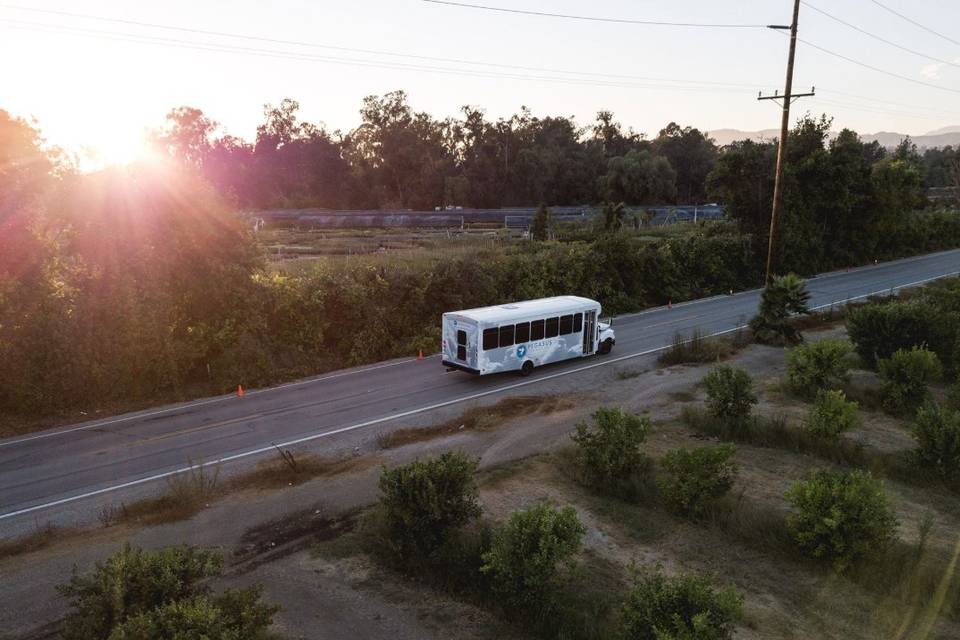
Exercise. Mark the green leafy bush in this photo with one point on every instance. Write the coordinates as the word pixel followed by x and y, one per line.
pixel 610 453
pixel 236 615
pixel 696 479
pixel 730 396
pixel 818 365
pixel 785 296
pixel 526 559
pixel 832 414
pixel 879 330
pixel 158 594
pixel 840 516
pixel 905 376
pixel 684 607
pixel 937 432
pixel 424 501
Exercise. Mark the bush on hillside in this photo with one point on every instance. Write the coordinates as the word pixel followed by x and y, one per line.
pixel 818 365
pixel 696 480
pixel 528 556
pixel 905 377
pixel 685 607
pixel 832 414
pixel 610 453
pixel 145 594
pixel 840 516
pixel 936 430
pixel 785 296
pixel 730 396
pixel 425 501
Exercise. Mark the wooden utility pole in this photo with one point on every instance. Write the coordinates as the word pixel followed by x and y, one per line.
pixel 787 98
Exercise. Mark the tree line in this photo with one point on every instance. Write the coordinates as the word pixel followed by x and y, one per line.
pixel 400 158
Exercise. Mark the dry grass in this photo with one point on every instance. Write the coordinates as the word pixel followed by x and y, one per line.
pixel 700 349
pixel 40 539
pixel 476 419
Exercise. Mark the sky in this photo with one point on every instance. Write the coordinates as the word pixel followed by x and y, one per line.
pixel 96 86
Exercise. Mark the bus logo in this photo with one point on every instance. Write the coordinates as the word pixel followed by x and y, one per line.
pixel 521 351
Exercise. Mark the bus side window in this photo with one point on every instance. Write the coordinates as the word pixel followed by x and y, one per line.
pixel 578 323
pixel 566 325
pixel 552 327
pixel 536 330
pixel 490 339
pixel 506 335
pixel 523 332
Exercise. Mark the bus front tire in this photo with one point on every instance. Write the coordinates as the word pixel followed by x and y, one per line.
pixel 526 369
pixel 605 347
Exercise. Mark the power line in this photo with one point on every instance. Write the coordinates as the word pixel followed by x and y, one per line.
pixel 868 109
pixel 915 23
pixel 878 69
pixel 544 14
pixel 942 112
pixel 297 43
pixel 879 38
pixel 224 48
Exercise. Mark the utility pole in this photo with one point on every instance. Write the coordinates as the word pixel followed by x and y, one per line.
pixel 787 97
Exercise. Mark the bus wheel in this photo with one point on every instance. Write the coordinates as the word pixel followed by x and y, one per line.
pixel 526 369
pixel 605 347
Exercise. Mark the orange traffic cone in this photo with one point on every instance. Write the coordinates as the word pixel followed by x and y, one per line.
pixel 420 357
pixel 239 390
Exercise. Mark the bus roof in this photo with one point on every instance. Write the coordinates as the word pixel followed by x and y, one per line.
pixel 557 305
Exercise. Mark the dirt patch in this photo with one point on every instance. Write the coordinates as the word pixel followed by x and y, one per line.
pixel 477 419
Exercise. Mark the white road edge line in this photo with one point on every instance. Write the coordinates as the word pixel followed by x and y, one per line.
pixel 404 414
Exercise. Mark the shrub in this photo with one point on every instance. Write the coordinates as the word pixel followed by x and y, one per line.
pixel 840 516
pixel 730 395
pixel 427 499
pixel 526 557
pixel 236 615
pixel 937 432
pixel 147 595
pixel 133 582
pixel 905 377
pixel 682 608
pixel 879 330
pixel 832 414
pixel 785 296
pixel 818 365
pixel 696 479
pixel 611 452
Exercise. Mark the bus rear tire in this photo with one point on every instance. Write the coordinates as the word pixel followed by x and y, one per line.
pixel 526 369
pixel 605 347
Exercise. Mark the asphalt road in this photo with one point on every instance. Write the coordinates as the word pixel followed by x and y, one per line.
pixel 62 468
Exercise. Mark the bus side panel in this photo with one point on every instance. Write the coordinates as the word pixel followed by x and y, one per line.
pixel 501 359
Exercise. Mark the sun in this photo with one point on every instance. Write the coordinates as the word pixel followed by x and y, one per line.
pixel 114 148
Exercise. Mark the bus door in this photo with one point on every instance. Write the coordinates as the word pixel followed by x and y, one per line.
pixel 589 332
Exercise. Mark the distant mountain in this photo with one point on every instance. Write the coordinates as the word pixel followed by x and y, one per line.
pixel 935 132
pixel 939 138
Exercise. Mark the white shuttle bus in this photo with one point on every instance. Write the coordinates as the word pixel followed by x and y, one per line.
pixel 522 335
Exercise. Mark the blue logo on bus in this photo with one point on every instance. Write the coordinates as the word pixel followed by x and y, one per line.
pixel 521 351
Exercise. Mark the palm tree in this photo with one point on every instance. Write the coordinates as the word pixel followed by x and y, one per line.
pixel 785 296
